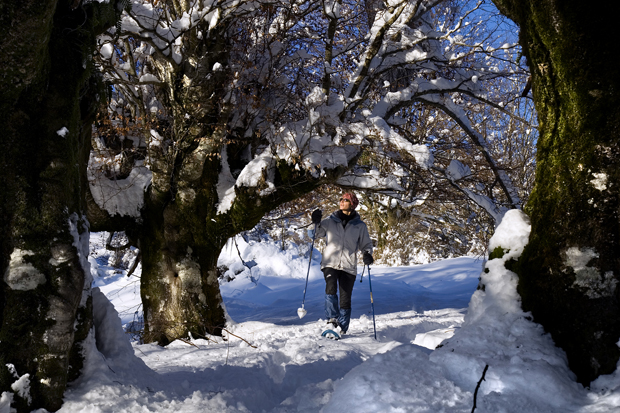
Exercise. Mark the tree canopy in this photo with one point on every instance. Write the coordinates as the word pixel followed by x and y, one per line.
pixel 313 84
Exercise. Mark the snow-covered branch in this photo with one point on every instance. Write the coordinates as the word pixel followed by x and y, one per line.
pixel 257 85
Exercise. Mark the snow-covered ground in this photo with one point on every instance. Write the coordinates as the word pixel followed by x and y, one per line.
pixel 272 361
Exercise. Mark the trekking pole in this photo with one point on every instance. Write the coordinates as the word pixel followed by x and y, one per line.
pixel 372 304
pixel 362 277
pixel 301 312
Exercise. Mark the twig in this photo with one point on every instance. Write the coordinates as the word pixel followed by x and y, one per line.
pixel 240 338
pixel 204 337
pixel 135 264
pixel 223 329
pixel 478 386
pixel 188 342
pixel 227 352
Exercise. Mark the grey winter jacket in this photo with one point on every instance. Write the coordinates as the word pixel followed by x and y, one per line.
pixel 343 243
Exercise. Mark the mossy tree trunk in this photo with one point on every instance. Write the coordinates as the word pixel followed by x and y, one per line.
pixel 181 239
pixel 45 306
pixel 179 283
pixel 569 272
pixel 179 244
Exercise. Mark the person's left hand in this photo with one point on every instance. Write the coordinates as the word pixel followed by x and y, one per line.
pixel 368 258
pixel 317 215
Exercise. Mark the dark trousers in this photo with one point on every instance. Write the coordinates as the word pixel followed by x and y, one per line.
pixel 345 281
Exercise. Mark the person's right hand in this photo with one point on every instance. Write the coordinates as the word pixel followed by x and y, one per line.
pixel 317 215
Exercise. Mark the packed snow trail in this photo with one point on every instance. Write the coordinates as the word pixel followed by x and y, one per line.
pixel 271 361
pixel 290 368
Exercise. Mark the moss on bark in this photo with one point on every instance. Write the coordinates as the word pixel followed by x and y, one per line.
pixel 569 270
pixel 43 176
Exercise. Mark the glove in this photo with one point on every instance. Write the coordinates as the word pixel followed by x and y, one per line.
pixel 317 215
pixel 368 258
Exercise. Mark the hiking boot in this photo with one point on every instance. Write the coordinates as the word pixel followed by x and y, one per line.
pixel 334 324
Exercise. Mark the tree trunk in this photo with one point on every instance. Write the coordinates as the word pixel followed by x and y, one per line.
pixel 45 305
pixel 569 272
pixel 180 247
pixel 181 240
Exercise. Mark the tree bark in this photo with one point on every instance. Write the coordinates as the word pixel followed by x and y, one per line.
pixel 181 240
pixel 569 272
pixel 45 306
pixel 180 247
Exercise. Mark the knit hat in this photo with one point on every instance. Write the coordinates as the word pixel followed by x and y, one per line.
pixel 352 198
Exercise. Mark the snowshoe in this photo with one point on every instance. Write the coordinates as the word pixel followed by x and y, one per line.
pixel 331 334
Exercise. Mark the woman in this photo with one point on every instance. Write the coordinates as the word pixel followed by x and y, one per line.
pixel 345 235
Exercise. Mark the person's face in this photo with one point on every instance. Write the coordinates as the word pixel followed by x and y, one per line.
pixel 345 205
